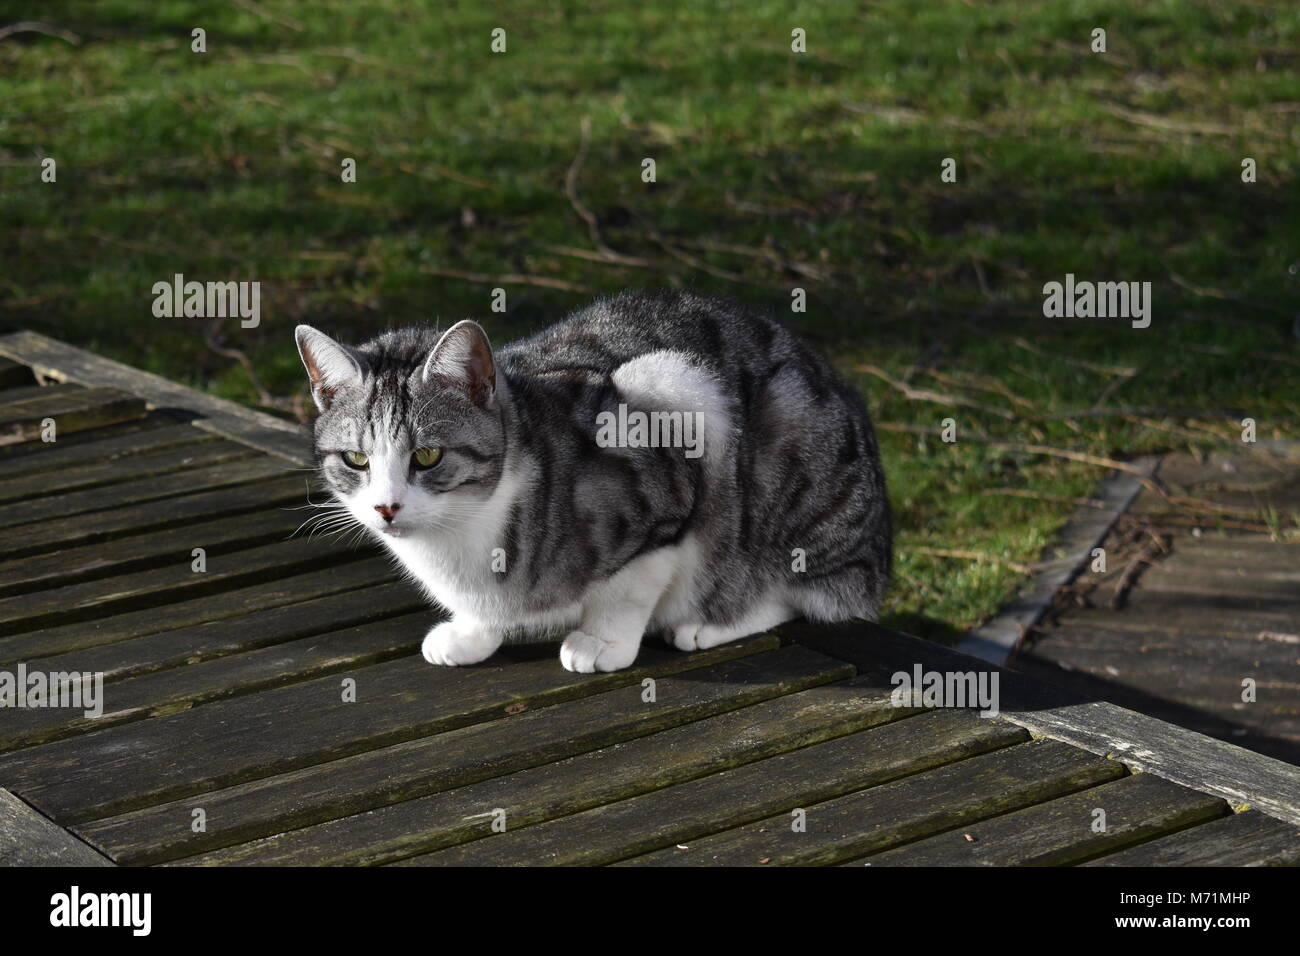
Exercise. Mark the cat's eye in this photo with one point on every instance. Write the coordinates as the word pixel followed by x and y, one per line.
pixel 356 459
pixel 427 457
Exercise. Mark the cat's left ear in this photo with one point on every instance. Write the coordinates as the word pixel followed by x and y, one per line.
pixel 463 359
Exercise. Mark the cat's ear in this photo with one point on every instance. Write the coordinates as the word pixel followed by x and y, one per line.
pixel 330 366
pixel 463 359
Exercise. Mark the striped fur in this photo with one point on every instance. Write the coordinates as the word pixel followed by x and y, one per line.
pixel 528 525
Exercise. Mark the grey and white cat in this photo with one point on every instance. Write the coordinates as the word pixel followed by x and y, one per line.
pixel 502 485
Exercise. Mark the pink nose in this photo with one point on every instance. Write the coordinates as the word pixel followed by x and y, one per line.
pixel 387 511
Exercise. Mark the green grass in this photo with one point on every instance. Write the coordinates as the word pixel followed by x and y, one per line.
pixel 775 170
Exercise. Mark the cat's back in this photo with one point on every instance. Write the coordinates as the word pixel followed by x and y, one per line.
pixel 597 339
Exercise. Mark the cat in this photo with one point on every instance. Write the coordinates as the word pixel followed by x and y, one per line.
pixel 524 491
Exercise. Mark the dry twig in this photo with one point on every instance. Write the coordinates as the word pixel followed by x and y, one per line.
pixel 593 224
pixel 926 395
pixel 971 556
pixel 510 278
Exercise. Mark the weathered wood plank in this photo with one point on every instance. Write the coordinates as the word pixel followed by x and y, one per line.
pixel 14 374
pixel 61 508
pixel 21 459
pixel 376 781
pixel 80 635
pixel 1060 832
pixel 161 548
pixel 261 627
pixel 1244 469
pixel 1167 613
pixel 916 806
pixel 275 731
pixel 68 363
pixel 66 453
pixel 180 689
pixel 1268 727
pixel 1165 674
pixel 72 411
pixel 28 839
pixel 1217 552
pixel 1281 584
pixel 227 568
pixel 1246 505
pixel 1144 743
pixel 44 536
pixel 23 393
pixel 65 478
pixel 1242 839
pixel 1162 661
pixel 734 797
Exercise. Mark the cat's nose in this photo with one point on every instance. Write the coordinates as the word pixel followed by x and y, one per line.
pixel 387 511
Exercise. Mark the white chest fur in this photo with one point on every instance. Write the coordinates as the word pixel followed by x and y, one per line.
pixel 463 567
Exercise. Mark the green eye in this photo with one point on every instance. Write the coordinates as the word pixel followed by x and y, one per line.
pixel 356 459
pixel 427 457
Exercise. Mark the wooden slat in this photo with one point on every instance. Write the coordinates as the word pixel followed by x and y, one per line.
pixel 1243 839
pixel 689 810
pixel 67 508
pixel 52 458
pixel 1171 612
pixel 68 363
pixel 1282 585
pixel 1230 554
pixel 247 738
pixel 1160 662
pixel 45 536
pixel 262 627
pixel 1268 727
pixel 1192 678
pixel 468 758
pixel 883 816
pixel 172 691
pixel 1145 743
pixel 159 549
pixel 227 568
pixel 1199 475
pixel 72 411
pixel 1060 832
pixel 1246 505
pixel 20 459
pixel 28 839
pixel 62 479
pixel 23 393
pixel 14 374
pixel 233 604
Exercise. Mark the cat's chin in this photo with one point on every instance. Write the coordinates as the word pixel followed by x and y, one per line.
pixel 390 532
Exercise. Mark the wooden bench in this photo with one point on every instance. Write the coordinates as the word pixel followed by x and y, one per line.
pixel 273 708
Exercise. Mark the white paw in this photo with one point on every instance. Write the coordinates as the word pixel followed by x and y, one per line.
pixel 584 654
pixel 700 637
pixel 684 637
pixel 453 644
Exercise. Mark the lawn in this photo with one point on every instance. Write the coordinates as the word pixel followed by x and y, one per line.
pixel 774 170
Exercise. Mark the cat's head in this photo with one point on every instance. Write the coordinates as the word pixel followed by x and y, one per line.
pixel 410 436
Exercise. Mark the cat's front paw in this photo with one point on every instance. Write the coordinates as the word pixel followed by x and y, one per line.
pixel 454 643
pixel 584 653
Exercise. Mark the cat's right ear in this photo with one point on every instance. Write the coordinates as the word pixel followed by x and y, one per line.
pixel 330 366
